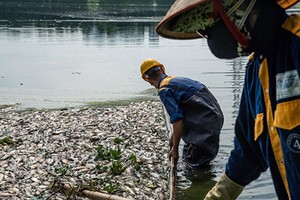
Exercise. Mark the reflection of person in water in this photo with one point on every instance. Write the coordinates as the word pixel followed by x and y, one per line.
pixel 267 129
pixel 194 112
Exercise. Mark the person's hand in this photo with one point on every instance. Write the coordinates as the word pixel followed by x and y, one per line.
pixel 175 140
pixel 174 154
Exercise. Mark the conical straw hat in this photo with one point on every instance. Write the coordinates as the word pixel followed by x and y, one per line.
pixel 287 3
pixel 178 16
pixel 180 6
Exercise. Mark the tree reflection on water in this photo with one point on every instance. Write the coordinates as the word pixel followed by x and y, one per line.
pixel 81 9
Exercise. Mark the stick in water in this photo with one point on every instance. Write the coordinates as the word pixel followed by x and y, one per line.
pixel 172 180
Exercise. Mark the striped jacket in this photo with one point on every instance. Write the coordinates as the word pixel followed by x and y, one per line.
pixel 268 125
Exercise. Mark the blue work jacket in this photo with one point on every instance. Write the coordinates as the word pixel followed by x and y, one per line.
pixel 189 100
pixel 176 90
pixel 267 131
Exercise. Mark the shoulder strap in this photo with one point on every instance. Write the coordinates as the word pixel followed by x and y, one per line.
pixel 165 82
pixel 292 24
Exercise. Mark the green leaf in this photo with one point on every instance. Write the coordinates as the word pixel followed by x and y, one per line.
pixel 7 140
pixel 101 168
pixel 133 158
pixel 116 168
pixel 115 154
pixel 118 141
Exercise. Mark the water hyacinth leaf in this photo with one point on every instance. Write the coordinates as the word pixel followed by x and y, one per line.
pixel 137 166
pixel 118 141
pixel 7 140
pixel 112 189
pixel 101 169
pixel 133 158
pixel 10 141
pixel 117 168
pixel 103 154
pixel 115 154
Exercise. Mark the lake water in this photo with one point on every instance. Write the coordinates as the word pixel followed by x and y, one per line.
pixel 53 63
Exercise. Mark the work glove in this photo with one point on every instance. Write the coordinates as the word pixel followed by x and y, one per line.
pixel 225 189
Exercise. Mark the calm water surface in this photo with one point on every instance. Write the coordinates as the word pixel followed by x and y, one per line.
pixel 61 63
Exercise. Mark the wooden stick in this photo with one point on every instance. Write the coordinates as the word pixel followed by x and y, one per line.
pixel 172 180
pixel 88 194
pixel 172 184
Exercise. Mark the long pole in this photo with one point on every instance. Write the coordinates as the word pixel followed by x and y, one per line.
pixel 66 188
pixel 172 177
pixel 172 180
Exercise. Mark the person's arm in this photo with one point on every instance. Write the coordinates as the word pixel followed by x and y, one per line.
pixel 175 112
pixel 175 140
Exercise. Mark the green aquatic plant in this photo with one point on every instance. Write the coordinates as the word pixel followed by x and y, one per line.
pixel 101 153
pixel 117 168
pixel 112 188
pixel 114 155
pixel 116 165
pixel 9 141
pixel 101 169
pixel 135 163
pixel 109 154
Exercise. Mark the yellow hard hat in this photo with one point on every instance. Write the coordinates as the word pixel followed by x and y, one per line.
pixel 148 64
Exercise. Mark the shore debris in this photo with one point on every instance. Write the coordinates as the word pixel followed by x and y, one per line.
pixel 120 150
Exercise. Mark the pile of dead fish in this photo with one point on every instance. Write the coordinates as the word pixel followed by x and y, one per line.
pixel 122 150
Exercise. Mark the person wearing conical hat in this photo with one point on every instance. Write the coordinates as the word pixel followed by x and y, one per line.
pixel 267 128
pixel 195 114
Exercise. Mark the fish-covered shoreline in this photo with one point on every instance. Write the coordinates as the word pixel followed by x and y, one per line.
pixel 121 149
